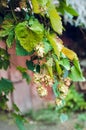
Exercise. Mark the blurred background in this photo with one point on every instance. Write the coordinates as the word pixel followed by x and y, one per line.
pixel 41 113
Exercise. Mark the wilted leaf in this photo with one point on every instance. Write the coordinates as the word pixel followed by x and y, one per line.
pixel 23 4
pixel 3 3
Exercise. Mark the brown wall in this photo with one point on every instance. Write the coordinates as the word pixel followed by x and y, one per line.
pixel 24 95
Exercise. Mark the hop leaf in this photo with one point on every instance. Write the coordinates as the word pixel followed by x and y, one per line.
pixel 69 53
pixel 6 86
pixel 55 19
pixel 29 37
pixel 36 7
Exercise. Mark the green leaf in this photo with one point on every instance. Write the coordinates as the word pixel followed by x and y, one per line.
pixel 47 46
pixel 65 7
pixel 4 33
pixel 15 107
pixel 26 76
pixel 65 63
pixel 6 86
pixel 31 36
pixel 21 69
pixel 55 19
pixel 36 7
pixel 35 26
pixel 6 27
pixel 4 59
pixel 10 38
pixel 19 121
pixel 76 73
pixel 33 67
pixel 20 51
pixel 5 64
pixel 3 100
pixel 56 44
pixel 71 11
pixel 30 65
pixel 58 67
pixel 56 93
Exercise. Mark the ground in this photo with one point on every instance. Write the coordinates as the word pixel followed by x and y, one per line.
pixel 7 123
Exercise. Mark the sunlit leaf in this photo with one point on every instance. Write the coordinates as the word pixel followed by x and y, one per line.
pixel 72 11
pixel 65 63
pixel 47 46
pixel 3 33
pixel 76 73
pixel 55 43
pixel 36 6
pixel 55 19
pixel 20 51
pixel 10 38
pixel 29 38
pixel 69 53
pixel 49 66
pixel 58 67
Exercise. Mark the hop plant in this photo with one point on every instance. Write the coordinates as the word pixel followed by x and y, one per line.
pixel 58 102
pixel 42 91
pixel 40 50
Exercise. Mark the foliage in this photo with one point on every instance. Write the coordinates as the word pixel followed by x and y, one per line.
pixel 35 27
pixel 19 119
pixel 74 101
pixel 81 122
pixel 6 87
pixel 46 116
pixel 4 59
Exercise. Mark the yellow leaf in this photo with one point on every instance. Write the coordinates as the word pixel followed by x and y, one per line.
pixel 36 6
pixel 56 43
pixel 55 19
pixel 69 53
